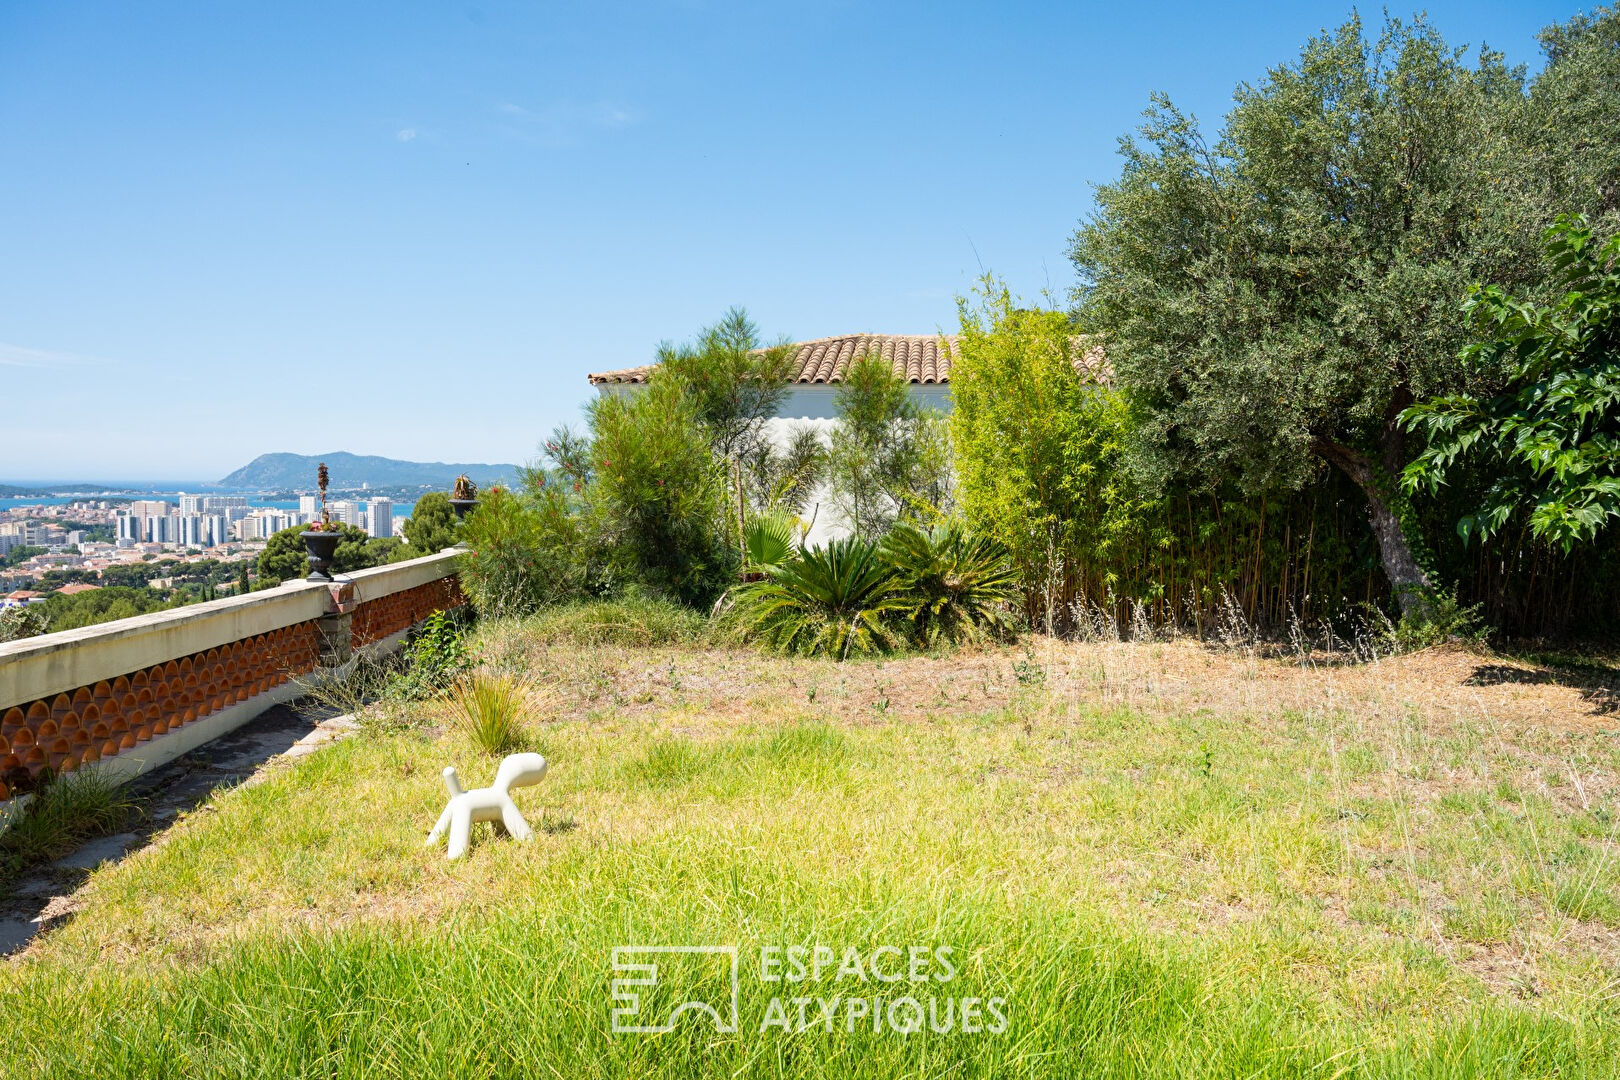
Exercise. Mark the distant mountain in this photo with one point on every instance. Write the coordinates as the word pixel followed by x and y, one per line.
pixel 282 472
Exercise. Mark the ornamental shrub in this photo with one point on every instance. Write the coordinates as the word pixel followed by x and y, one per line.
pixel 841 600
pixel 523 553
pixel 284 556
pixel 1039 436
pixel 656 495
pixel 1038 448
pixel 430 529
pixel 956 586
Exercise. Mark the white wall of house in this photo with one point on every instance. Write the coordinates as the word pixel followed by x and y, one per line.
pixel 817 402
pixel 814 406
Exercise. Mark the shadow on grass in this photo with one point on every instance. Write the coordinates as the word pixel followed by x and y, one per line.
pixel 1599 686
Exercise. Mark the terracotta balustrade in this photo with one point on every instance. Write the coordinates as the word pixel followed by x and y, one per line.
pixel 388 615
pixel 100 721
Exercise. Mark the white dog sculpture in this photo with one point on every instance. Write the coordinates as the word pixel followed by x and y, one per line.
pixel 487 804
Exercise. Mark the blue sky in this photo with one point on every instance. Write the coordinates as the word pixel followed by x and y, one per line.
pixel 411 228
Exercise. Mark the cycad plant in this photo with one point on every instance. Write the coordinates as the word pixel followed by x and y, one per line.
pixel 957 585
pixel 836 601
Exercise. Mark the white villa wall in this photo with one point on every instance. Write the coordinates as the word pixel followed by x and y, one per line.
pixel 814 406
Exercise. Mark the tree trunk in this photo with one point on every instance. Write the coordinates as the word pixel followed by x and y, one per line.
pixel 1406 578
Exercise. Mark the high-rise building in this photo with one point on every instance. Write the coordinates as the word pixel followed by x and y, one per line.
pixel 204 530
pixel 344 510
pixel 145 508
pixel 203 504
pixel 258 524
pixel 380 517
pixel 309 506
pixel 28 533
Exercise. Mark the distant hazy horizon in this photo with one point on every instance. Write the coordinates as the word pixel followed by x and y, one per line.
pixel 133 485
pixel 191 484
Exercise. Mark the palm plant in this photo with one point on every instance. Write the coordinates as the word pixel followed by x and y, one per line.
pixel 957 585
pixel 835 601
pixel 768 543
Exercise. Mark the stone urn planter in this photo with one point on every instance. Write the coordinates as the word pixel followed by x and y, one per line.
pixel 463 496
pixel 320 539
pixel 320 548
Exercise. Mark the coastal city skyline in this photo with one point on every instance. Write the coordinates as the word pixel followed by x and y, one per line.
pixel 91 536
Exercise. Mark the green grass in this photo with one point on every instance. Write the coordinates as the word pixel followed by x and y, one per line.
pixel 626 621
pixel 1154 891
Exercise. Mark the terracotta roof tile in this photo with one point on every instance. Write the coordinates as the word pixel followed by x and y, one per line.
pixel 916 358
pixel 623 375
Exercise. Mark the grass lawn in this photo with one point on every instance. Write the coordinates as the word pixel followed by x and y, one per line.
pixel 1161 859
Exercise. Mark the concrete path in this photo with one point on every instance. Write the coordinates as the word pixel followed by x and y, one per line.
pixel 46 897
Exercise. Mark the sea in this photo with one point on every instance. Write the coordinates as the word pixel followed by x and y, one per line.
pixel 401 510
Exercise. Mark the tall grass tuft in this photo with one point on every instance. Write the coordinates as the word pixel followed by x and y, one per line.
pixel 489 710
pixel 66 812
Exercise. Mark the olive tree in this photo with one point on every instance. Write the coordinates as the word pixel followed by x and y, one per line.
pixel 1273 300
pixel 1574 117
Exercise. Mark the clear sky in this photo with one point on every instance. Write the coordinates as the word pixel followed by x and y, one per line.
pixel 411 228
